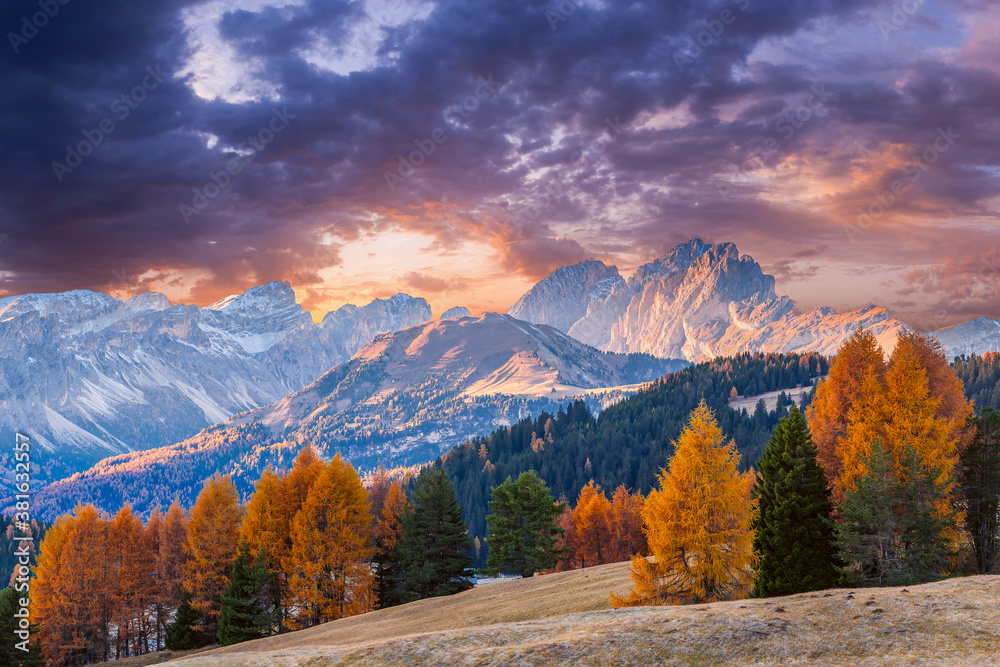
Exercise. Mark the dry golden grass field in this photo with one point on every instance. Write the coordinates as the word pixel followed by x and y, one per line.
pixel 565 619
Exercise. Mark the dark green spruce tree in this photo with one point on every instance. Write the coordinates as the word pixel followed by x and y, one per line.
pixel 979 488
pixel 181 634
pixel 434 551
pixel 246 612
pixel 523 535
pixel 794 540
pixel 15 649
pixel 892 529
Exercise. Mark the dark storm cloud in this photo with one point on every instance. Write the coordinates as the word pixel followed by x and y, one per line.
pixel 463 108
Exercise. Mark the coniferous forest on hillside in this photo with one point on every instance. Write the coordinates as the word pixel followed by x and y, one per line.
pixel 627 443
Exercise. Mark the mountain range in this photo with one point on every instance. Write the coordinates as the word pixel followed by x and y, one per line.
pixel 403 399
pixel 89 376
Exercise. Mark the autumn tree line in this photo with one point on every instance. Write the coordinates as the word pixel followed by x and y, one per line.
pixel 310 545
pixel 887 480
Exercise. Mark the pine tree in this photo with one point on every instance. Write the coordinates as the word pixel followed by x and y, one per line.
pixel 697 523
pixel 434 547
pixel 246 606
pixel 182 633
pixel 892 529
pixel 794 545
pixel 523 533
pixel 10 655
pixel 979 488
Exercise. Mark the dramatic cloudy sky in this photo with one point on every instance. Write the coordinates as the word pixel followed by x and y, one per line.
pixel 603 130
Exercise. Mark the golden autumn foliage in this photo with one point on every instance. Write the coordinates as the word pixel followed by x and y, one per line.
pixel 389 527
pixel 264 527
pixel 853 377
pixel 170 560
pixel 330 575
pixel 49 598
pixel 593 531
pixel 697 523
pixel 598 531
pixel 625 518
pixel 212 541
pixel 915 399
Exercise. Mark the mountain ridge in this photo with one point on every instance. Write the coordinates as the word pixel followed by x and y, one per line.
pixel 404 398
pixel 698 302
pixel 87 375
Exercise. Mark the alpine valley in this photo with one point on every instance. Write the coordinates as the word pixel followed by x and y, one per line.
pixel 248 381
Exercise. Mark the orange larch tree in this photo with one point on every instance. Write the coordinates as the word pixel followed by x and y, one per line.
pixel 593 531
pixel 625 519
pixel 131 564
pixel 697 523
pixel 212 542
pixel 330 575
pixel 902 412
pixel 48 596
pixel 171 557
pixel 858 369
pixel 388 532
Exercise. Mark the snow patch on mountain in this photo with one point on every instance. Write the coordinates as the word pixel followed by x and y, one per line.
pixel 457 311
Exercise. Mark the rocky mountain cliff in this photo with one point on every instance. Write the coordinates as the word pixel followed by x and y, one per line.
pixel 699 302
pixel 405 398
pixel 88 376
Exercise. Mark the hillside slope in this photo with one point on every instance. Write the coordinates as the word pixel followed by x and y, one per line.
pixel 564 619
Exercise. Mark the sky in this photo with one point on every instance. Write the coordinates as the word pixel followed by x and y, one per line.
pixel 460 151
